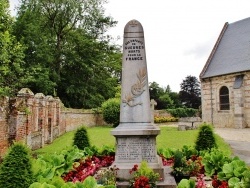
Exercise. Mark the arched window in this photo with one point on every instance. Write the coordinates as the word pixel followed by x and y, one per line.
pixel 224 98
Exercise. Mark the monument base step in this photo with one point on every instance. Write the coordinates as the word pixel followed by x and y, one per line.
pixel 168 182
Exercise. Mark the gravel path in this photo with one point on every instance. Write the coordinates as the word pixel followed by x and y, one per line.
pixel 239 141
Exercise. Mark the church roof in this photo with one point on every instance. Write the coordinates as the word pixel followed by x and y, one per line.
pixel 231 52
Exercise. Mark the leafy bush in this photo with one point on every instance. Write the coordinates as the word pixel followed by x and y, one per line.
pixel 48 166
pixel 16 169
pixel 89 182
pixel 81 139
pixel 182 112
pixel 111 111
pixel 213 161
pixel 236 173
pixel 206 138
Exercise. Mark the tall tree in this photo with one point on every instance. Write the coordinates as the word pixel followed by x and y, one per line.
pixel 165 98
pixel 155 90
pixel 11 54
pixel 68 53
pixel 190 94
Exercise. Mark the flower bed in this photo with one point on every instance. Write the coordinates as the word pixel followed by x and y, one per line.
pixel 163 119
pixel 84 168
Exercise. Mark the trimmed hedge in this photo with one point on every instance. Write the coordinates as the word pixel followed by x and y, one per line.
pixel 182 112
pixel 16 169
pixel 81 138
pixel 206 138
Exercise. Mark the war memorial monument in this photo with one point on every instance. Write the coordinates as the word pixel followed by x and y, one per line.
pixel 136 134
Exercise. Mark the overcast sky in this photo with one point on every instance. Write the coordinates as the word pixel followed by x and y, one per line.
pixel 179 34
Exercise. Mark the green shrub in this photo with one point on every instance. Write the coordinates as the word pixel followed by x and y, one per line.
pixel 182 112
pixel 16 169
pixel 206 138
pixel 111 111
pixel 81 139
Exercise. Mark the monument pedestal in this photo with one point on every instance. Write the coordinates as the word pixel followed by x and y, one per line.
pixel 134 146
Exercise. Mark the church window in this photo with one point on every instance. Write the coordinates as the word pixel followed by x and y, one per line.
pixel 224 98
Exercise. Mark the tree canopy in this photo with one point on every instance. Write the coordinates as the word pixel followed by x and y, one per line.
pixel 190 94
pixel 67 53
pixel 11 54
pixel 164 97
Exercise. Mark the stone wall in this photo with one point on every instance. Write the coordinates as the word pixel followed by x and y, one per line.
pixel 4 136
pixel 37 119
pixel 73 118
pixel 239 114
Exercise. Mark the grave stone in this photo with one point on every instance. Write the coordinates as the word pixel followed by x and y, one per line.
pixel 136 134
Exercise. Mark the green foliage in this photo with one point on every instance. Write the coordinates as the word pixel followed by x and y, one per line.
pixel 67 51
pixel 89 182
pixel 49 168
pixel 190 94
pixel 213 161
pixel 180 166
pixel 166 152
pixel 11 55
pixel 185 183
pixel 165 102
pixel 81 138
pixel 164 97
pixel 182 112
pixel 183 163
pixel 46 167
pixel 232 169
pixel 236 173
pixel 107 150
pixel 206 138
pixel 111 111
pixel 189 151
pixel 16 169
pixel 41 185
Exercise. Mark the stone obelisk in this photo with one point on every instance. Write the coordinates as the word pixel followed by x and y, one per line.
pixel 135 135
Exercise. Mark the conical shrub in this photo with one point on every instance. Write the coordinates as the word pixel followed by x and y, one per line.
pixel 81 139
pixel 206 138
pixel 16 169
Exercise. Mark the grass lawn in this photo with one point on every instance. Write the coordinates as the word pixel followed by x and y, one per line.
pixel 169 137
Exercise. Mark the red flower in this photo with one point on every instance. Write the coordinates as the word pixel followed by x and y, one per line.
pixel 141 182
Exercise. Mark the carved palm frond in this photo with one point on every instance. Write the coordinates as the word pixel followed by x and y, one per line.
pixel 138 88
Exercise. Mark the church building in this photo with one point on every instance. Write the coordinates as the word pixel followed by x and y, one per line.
pixel 225 78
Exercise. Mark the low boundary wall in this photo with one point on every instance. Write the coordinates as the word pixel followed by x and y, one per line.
pixel 36 119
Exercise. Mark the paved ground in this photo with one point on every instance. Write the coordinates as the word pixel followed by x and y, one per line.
pixel 239 140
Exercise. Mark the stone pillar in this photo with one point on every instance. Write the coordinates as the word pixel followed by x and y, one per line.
pixel 24 106
pixel 239 109
pixel 135 135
